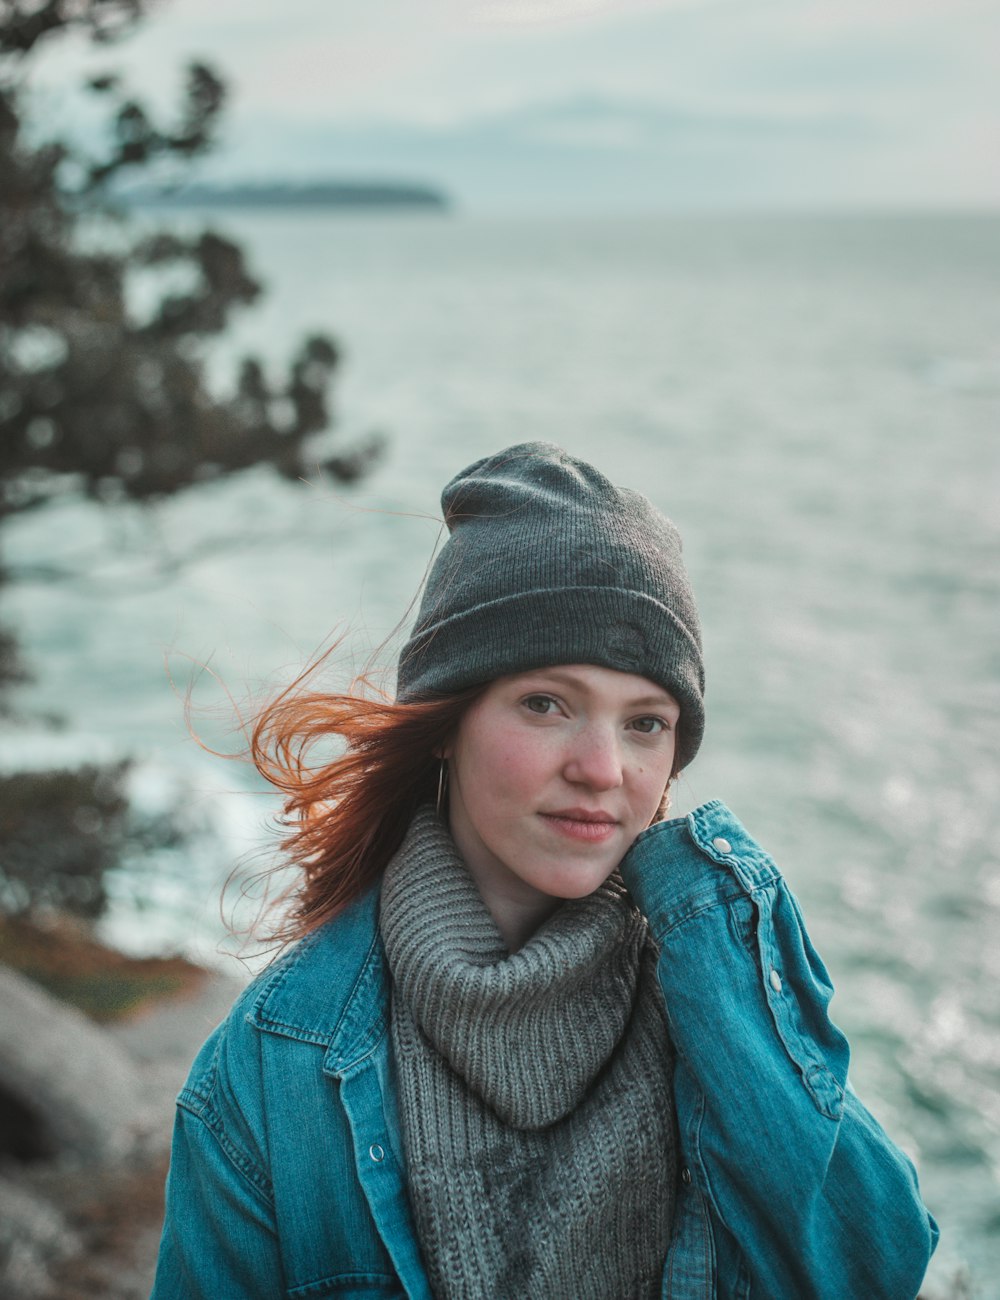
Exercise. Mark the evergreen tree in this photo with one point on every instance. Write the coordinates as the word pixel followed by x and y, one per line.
pixel 98 399
pixel 93 397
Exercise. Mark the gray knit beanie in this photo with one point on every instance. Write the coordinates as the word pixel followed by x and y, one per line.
pixel 549 563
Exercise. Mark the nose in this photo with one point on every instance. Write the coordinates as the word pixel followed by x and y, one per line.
pixel 594 759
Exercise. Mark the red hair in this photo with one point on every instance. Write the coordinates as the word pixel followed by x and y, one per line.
pixel 348 816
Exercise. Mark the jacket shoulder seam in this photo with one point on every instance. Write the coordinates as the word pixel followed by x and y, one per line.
pixel 200 1108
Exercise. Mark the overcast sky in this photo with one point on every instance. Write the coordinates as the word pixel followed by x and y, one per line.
pixel 570 104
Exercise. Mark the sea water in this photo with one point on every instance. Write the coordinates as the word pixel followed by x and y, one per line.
pixel 814 401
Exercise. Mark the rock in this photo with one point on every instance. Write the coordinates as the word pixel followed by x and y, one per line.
pixel 81 1091
pixel 86 1224
pixel 34 1237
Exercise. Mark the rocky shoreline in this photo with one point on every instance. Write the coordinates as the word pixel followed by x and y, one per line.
pixel 87 1114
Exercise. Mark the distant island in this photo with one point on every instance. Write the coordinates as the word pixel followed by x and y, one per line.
pixel 287 194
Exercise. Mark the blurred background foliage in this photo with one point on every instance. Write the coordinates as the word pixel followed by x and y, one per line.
pixel 103 398
pixel 78 820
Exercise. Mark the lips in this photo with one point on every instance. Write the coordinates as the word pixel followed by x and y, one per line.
pixel 581 815
pixel 582 824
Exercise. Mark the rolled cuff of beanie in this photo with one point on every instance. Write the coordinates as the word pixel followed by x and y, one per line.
pixel 611 627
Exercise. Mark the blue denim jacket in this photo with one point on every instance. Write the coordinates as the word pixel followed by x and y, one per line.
pixel 288 1178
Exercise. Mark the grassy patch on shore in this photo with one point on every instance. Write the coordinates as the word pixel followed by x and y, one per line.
pixel 71 965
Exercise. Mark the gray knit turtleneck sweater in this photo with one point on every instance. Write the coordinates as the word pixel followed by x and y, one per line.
pixel 534 1088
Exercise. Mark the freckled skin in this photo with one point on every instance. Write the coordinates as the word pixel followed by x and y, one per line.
pixel 552 775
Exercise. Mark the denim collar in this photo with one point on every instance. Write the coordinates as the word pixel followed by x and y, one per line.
pixel 331 989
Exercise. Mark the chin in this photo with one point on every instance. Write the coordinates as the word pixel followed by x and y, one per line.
pixel 577 887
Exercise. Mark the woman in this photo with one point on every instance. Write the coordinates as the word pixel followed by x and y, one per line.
pixel 532 1040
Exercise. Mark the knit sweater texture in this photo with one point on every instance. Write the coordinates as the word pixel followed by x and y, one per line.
pixel 534 1087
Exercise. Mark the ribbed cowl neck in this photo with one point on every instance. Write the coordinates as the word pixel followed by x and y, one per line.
pixel 527 1031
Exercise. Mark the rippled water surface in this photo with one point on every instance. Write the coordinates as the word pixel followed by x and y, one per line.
pixel 815 402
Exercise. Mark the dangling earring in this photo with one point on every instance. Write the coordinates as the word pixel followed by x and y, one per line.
pixel 442 784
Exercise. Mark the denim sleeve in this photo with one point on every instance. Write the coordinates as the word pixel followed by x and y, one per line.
pixel 219 1234
pixel 805 1195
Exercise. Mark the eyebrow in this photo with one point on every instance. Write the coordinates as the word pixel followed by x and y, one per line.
pixel 657 698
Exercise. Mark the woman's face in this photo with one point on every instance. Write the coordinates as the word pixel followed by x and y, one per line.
pixel 552 775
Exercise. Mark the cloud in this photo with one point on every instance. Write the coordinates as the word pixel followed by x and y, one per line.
pixel 581 153
pixel 520 13
pixel 855 18
pixel 841 97
pixel 596 121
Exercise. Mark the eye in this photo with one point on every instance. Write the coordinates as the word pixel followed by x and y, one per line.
pixel 649 726
pixel 540 704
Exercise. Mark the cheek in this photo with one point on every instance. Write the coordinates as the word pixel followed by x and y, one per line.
pixel 518 768
pixel 652 780
pixel 505 764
